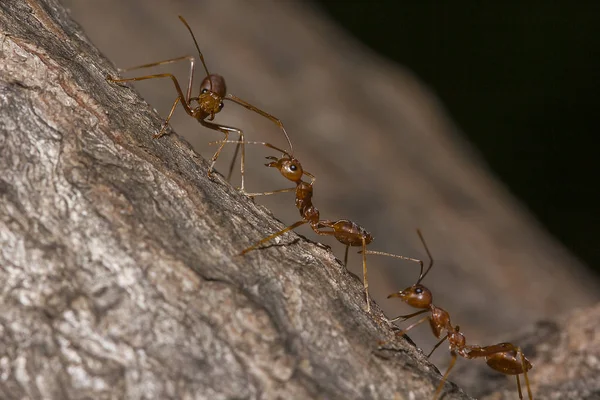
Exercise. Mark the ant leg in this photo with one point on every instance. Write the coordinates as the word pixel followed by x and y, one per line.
pixel 235 154
pixel 226 130
pixel 154 64
pixel 170 61
pixel 407 317
pixel 240 143
pixel 273 236
pixel 272 192
pixel 403 331
pixel 365 280
pixel 185 105
pixel 346 257
pixel 524 366
pixel 250 107
pixel 243 158
pixel 165 124
pixel 438 344
pixel 445 377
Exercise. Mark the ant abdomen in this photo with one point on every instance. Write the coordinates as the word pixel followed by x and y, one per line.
pixel 508 362
pixel 348 232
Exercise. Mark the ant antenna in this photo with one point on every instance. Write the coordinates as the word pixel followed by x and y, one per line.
pixel 423 275
pixel 196 43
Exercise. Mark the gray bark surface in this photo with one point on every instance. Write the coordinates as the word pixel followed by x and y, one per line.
pixel 117 261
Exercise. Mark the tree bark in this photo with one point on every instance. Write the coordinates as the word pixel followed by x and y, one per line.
pixel 118 267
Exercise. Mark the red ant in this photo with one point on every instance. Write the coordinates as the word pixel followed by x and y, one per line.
pixel 503 357
pixel 345 231
pixel 210 102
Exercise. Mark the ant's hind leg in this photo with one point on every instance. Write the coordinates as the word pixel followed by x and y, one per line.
pixel 519 387
pixel 346 257
pixel 445 377
pixel 524 366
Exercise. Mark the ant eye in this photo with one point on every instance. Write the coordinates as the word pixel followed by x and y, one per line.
pixel 293 167
pixel 221 105
pixel 418 290
pixel 204 91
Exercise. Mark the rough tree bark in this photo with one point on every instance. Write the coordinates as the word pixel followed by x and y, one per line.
pixel 117 267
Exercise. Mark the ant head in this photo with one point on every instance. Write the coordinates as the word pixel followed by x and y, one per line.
pixel 212 91
pixel 289 167
pixel 417 296
pixel 214 83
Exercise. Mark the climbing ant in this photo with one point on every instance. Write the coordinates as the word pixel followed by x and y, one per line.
pixel 503 357
pixel 210 102
pixel 345 231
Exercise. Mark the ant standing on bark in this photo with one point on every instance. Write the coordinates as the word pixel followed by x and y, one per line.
pixel 213 92
pixel 345 231
pixel 503 357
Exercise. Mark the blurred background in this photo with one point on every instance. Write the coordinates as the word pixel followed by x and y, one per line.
pixel 521 81
pixel 474 124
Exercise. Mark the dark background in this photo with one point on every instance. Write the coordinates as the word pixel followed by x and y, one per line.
pixel 521 80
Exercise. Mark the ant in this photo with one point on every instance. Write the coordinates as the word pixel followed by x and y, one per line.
pixel 503 357
pixel 345 231
pixel 213 92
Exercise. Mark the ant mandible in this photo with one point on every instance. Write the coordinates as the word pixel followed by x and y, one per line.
pixel 345 231
pixel 213 92
pixel 503 357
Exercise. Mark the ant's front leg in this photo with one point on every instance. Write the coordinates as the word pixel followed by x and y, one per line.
pixel 226 130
